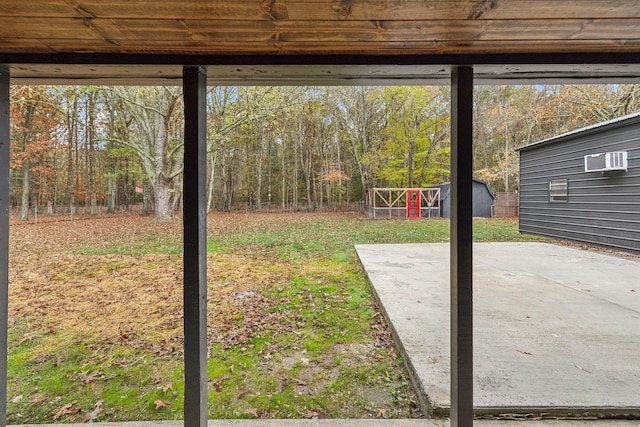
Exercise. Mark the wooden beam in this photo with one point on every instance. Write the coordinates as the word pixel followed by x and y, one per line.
pixel 195 247
pixel 323 10
pixel 4 235
pixel 461 247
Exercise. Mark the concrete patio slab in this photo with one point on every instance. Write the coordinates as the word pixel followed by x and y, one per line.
pixel 556 329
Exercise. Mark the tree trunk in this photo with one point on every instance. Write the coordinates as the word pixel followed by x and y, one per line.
pixel 163 198
pixel 284 181
pixel 261 138
pixel 91 154
pixel 163 182
pixel 146 199
pixel 25 191
pixel 410 160
pixel 112 189
pixel 72 125
pixel 212 179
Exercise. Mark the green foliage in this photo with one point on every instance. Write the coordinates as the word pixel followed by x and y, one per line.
pixel 417 145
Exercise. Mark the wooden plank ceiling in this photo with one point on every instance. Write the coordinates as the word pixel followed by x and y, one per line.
pixel 319 26
pixel 431 28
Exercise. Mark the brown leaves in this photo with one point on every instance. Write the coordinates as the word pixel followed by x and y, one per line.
pixel 68 409
pixel 160 404
pixel 86 378
pixel 251 411
pixel 310 414
pixel 217 384
pixel 71 409
pixel 382 333
pixel 97 410
pixel 524 352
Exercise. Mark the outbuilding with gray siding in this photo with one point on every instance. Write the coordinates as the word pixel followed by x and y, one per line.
pixel 584 185
pixel 483 199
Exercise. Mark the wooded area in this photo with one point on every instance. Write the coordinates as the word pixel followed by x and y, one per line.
pixel 286 148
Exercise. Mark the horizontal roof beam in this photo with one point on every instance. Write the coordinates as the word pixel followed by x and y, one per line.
pixel 109 69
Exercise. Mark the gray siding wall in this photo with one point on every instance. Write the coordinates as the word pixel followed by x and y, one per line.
pixel 482 200
pixel 602 208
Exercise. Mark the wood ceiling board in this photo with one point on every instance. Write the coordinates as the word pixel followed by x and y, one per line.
pixel 323 9
pixel 181 9
pixel 45 28
pixel 319 27
pixel 159 31
pixel 33 9
pixel 363 37
pixel 457 9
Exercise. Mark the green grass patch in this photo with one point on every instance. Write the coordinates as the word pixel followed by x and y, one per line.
pixel 294 329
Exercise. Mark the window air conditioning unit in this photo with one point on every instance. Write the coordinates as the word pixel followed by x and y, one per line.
pixel 601 162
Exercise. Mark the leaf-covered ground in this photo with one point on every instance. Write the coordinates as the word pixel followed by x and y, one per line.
pixel 96 318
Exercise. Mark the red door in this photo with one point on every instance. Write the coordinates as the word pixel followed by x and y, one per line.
pixel 413 203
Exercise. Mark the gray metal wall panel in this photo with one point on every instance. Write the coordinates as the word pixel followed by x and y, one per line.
pixel 602 208
pixel 482 200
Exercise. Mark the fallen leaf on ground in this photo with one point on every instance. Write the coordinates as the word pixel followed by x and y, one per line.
pixel 97 410
pixel 218 383
pixel 86 378
pixel 251 411
pixel 583 369
pixel 382 413
pixel 167 387
pixel 16 399
pixel 160 404
pixel 524 352
pixel 68 409
pixel 310 414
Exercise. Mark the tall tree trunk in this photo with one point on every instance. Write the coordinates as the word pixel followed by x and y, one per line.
pixel 261 143
pixel 25 190
pixel 284 176
pixel 72 127
pixel 28 124
pixel 294 187
pixel 146 198
pixel 91 154
pixel 112 190
pixel 163 198
pixel 410 160
pixel 212 179
pixel 163 181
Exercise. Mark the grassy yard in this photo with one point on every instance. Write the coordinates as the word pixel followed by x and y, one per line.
pixel 95 323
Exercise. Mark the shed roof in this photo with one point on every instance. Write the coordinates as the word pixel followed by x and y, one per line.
pixel 319 41
pixel 598 127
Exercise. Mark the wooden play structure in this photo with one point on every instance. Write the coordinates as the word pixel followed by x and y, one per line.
pixel 403 203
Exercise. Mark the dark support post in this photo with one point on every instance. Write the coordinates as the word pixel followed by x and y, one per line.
pixel 195 247
pixel 4 236
pixel 461 247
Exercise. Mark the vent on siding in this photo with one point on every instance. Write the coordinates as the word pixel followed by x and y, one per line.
pixel 611 161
